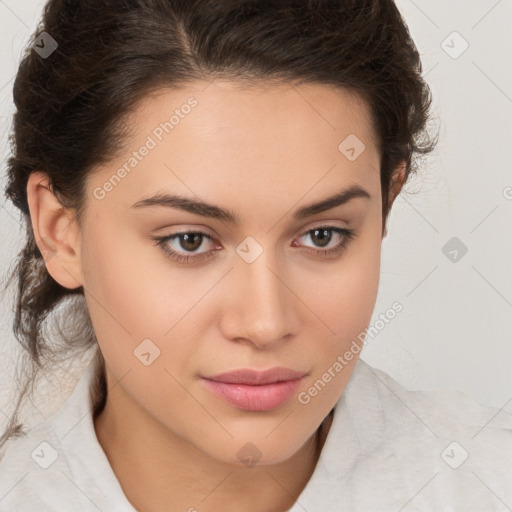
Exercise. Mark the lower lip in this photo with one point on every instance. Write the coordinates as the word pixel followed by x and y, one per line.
pixel 264 397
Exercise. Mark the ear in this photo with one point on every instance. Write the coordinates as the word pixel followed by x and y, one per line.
pixel 55 232
pixel 397 182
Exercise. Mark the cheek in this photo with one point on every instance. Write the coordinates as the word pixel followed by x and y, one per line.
pixel 128 278
pixel 345 304
pixel 123 304
pixel 134 294
pixel 344 295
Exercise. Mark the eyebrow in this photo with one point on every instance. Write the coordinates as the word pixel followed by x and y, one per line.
pixel 204 209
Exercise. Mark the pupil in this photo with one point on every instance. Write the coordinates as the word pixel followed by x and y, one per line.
pixel 324 236
pixel 188 243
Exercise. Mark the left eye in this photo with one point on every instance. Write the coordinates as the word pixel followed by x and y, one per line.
pixel 322 236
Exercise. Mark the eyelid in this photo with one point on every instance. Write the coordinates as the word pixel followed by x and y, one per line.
pixel 186 228
pixel 330 224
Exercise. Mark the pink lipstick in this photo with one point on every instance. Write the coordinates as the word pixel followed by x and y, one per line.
pixel 254 390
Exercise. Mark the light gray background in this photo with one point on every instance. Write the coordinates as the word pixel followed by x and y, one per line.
pixel 455 330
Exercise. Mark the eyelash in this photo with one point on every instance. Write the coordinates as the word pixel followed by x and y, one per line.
pixel 162 242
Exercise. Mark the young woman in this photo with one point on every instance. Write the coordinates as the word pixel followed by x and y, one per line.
pixel 207 184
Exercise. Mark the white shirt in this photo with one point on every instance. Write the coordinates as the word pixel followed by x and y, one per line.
pixel 388 449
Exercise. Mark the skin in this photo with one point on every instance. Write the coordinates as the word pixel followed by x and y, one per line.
pixel 261 152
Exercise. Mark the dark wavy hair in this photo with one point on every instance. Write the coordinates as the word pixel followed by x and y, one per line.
pixel 70 107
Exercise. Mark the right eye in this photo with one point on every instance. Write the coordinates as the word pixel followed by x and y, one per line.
pixel 183 246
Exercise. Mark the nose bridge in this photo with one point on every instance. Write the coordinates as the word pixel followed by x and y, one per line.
pixel 262 305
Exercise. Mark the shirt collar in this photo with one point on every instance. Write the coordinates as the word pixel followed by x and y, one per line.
pixel 349 436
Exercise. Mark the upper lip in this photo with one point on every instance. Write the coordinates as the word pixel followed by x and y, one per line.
pixel 255 377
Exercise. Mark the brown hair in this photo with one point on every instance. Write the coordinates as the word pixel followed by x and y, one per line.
pixel 111 55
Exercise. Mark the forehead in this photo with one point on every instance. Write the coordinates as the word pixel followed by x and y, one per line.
pixel 213 138
pixel 242 109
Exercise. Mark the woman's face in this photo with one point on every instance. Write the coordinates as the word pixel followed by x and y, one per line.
pixel 269 281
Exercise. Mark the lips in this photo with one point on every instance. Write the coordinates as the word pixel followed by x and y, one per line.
pixel 253 390
pixel 255 377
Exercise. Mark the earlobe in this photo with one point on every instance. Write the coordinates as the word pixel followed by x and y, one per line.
pixel 55 232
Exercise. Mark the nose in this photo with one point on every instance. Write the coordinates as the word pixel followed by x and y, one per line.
pixel 261 307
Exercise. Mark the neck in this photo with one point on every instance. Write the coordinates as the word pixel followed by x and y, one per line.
pixel 153 476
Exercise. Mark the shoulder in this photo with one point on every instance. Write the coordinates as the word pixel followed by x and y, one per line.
pixel 59 464
pixel 440 412
pixel 32 464
pixel 441 450
pixel 35 466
